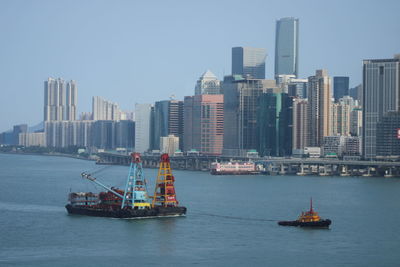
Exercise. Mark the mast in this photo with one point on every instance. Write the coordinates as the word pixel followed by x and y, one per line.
pixel 164 194
pixel 135 194
pixel 311 208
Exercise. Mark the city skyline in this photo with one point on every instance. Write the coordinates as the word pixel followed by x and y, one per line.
pixel 106 61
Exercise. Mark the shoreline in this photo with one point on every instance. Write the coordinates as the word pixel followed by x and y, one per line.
pixel 49 155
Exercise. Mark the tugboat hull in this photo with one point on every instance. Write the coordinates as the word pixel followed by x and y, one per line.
pixel 127 213
pixel 317 224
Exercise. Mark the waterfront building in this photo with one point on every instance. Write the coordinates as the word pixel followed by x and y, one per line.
pixel 249 61
pixel 287 47
pixel 18 129
pixel 32 139
pixel 388 136
pixel 169 144
pixel 125 134
pixel 60 100
pixel 319 105
pixel 339 146
pixel 298 88
pixel 208 84
pixel 142 127
pixel 167 120
pixel 105 110
pixel 241 101
pixel 274 123
pixel 352 146
pixel 300 124
pixel 381 94
pixel 68 133
pixel 340 87
pixel 356 121
pixel 204 124
pixel 332 146
pixel 105 134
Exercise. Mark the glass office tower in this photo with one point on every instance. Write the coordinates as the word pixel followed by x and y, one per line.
pixel 287 47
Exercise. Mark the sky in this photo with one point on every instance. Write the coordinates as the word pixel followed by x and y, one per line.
pixel 144 51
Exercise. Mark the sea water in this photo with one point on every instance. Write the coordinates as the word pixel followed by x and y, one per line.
pixel 231 220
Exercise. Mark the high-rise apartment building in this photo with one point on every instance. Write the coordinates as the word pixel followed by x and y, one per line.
pixel 381 94
pixel 287 47
pixel 241 102
pixel 142 127
pixel 60 100
pixel 300 123
pixel 208 84
pixel 249 61
pixel 103 134
pixel 340 87
pixel 204 124
pixel 319 105
pixel 167 120
pixel 274 123
pixel 340 119
pixel 105 110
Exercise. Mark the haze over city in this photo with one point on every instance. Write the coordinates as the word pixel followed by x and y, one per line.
pixel 140 52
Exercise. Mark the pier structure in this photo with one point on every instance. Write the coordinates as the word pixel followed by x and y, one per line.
pixel 275 166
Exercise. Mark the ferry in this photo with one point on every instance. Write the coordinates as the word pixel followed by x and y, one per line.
pixel 233 168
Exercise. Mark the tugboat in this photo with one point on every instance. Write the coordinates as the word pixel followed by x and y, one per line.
pixel 133 201
pixel 308 219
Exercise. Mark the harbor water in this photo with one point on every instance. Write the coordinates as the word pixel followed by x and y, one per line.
pixel 231 220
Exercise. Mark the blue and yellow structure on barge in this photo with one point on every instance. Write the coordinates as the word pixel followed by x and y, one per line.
pixel 133 201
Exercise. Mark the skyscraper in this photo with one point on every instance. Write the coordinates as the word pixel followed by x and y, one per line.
pixel 142 127
pixel 381 94
pixel 249 61
pixel 300 123
pixel 168 120
pixel 388 136
pixel 60 100
pixel 241 101
pixel 274 123
pixel 340 87
pixel 340 119
pixel 319 105
pixel 204 124
pixel 208 84
pixel 105 110
pixel 287 47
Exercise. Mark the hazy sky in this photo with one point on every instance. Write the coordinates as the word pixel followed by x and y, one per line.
pixel 143 51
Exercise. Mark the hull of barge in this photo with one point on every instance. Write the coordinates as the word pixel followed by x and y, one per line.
pixel 127 213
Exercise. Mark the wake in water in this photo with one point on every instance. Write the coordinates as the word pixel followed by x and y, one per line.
pixel 233 217
pixel 29 207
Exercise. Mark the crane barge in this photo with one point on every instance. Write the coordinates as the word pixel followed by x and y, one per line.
pixel 133 201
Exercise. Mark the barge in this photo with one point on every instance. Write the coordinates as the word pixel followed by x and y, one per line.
pixel 133 201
